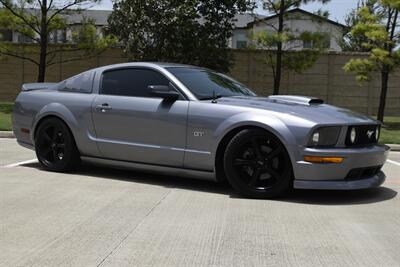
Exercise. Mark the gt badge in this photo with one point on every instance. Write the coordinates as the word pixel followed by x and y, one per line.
pixel 198 134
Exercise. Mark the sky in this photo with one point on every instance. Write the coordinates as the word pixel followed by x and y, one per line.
pixel 337 8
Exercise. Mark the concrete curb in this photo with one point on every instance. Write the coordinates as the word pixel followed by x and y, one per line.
pixel 394 147
pixel 10 134
pixel 6 134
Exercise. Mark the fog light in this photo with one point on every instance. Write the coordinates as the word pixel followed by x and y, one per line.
pixel 377 134
pixel 317 159
pixel 353 135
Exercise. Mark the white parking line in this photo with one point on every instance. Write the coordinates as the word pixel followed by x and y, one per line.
pixel 393 162
pixel 21 163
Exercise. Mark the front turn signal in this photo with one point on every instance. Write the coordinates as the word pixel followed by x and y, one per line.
pixel 317 159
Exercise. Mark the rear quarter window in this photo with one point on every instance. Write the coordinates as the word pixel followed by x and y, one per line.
pixel 82 83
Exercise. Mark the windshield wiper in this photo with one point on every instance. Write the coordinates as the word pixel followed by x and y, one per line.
pixel 211 97
pixel 214 97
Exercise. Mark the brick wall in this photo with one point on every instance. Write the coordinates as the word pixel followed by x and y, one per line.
pixel 326 79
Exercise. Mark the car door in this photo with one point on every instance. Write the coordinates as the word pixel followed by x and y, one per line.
pixel 131 125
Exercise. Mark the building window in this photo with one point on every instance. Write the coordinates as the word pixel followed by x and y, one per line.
pixel 58 37
pixel 6 35
pixel 326 42
pixel 24 39
pixel 241 44
pixel 241 40
pixel 307 44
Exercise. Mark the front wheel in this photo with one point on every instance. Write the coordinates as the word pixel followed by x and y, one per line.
pixel 55 146
pixel 257 164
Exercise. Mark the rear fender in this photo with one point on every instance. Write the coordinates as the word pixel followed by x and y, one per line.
pixel 57 110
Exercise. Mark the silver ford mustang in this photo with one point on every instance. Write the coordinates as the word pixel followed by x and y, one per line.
pixel 188 121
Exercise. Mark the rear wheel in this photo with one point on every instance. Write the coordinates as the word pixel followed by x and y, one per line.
pixel 55 146
pixel 257 165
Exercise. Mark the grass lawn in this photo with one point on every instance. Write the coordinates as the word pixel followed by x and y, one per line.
pixel 5 116
pixel 393 122
pixel 390 133
pixel 390 136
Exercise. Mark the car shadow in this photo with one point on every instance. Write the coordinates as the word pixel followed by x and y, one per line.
pixel 338 197
pixel 309 197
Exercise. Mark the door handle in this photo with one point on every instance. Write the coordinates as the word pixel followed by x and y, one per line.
pixel 103 107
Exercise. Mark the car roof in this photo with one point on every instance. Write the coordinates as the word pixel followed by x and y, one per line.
pixel 146 64
pixel 168 65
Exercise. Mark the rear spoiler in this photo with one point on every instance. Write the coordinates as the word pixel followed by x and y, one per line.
pixel 298 99
pixel 37 86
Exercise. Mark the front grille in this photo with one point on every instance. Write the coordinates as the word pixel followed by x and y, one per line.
pixel 363 173
pixel 365 135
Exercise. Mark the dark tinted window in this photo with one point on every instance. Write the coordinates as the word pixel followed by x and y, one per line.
pixel 80 83
pixel 131 82
pixel 6 35
pixel 205 83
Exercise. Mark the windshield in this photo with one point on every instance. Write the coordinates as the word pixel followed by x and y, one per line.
pixel 206 84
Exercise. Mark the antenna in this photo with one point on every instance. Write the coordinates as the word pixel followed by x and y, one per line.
pixel 214 97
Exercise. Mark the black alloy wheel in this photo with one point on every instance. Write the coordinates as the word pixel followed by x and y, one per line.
pixel 257 164
pixel 55 146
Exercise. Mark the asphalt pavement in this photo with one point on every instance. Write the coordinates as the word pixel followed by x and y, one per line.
pixel 104 217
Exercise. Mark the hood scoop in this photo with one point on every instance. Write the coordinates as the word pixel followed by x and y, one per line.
pixel 305 100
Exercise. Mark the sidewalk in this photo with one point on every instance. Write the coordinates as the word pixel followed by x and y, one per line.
pixel 6 134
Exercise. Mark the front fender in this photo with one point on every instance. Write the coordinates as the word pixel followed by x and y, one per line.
pixel 269 123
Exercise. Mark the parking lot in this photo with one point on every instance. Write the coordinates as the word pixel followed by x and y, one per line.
pixel 105 217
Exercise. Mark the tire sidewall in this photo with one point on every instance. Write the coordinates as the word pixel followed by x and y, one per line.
pixel 70 151
pixel 284 184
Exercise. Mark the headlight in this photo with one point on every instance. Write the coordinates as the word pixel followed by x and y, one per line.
pixel 315 138
pixel 353 135
pixel 377 133
pixel 325 136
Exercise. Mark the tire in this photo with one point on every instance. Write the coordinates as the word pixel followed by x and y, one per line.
pixel 257 164
pixel 55 146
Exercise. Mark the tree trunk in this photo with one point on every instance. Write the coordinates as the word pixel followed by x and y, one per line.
pixel 382 100
pixel 279 52
pixel 42 63
pixel 391 29
pixel 278 72
pixel 43 43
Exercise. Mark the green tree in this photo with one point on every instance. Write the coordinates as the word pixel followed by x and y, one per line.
pixel 183 31
pixel 354 43
pixel 36 20
pixel 281 40
pixel 381 38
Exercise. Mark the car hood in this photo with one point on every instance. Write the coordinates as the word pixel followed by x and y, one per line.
pixel 306 108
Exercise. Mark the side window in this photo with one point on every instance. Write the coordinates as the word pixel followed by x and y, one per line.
pixel 131 82
pixel 80 83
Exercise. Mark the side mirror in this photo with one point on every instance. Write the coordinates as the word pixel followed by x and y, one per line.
pixel 167 93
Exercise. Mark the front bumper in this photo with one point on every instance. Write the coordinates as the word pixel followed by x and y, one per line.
pixel 334 176
pixel 371 182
